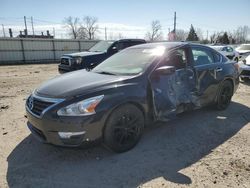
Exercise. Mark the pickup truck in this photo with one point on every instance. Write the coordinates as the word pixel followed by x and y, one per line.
pixel 95 55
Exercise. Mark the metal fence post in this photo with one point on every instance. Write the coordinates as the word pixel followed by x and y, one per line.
pixel 79 43
pixel 23 52
pixel 54 49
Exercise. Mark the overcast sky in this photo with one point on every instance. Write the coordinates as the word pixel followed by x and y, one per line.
pixel 129 17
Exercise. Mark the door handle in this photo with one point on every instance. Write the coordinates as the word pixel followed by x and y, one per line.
pixel 218 69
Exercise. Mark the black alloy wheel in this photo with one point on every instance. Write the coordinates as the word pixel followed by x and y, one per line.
pixel 225 95
pixel 124 128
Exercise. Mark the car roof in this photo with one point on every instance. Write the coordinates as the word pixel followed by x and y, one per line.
pixel 167 45
pixel 136 40
pixel 125 40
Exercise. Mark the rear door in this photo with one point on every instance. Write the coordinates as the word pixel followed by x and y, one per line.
pixel 208 71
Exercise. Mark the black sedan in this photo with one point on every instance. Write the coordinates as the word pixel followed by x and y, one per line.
pixel 118 98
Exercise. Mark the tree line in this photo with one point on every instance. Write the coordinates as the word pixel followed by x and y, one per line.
pixel 87 28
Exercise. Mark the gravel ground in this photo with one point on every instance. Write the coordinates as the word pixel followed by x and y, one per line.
pixel 203 148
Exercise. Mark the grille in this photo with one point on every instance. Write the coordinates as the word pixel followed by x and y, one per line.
pixel 65 61
pixel 245 73
pixel 37 106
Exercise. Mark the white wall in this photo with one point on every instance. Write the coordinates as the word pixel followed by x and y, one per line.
pixel 17 51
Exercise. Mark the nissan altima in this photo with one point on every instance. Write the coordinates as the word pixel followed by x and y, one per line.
pixel 116 100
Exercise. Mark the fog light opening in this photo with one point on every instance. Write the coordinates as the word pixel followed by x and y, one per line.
pixel 68 135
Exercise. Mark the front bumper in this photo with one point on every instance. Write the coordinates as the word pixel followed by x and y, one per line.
pixel 64 68
pixel 244 71
pixel 46 129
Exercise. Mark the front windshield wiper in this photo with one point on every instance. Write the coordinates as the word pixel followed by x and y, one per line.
pixel 104 72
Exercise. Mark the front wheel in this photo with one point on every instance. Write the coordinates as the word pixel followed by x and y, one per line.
pixel 225 95
pixel 124 128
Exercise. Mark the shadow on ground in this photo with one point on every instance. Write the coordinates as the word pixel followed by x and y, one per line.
pixel 163 151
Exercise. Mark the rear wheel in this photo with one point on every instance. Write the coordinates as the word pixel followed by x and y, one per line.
pixel 225 95
pixel 124 128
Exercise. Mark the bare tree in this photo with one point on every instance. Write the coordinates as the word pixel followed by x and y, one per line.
pixel 240 34
pixel 199 33
pixel 89 28
pixel 155 33
pixel 73 25
pixel 180 35
pixel 120 36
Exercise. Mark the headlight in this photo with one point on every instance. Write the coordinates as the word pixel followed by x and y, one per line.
pixel 78 60
pixel 82 108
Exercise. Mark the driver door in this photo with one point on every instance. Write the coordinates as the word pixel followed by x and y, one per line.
pixel 174 91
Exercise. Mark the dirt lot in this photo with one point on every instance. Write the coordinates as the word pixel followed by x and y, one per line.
pixel 204 148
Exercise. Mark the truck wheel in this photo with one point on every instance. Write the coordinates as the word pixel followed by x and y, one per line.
pixel 124 128
pixel 244 79
pixel 225 95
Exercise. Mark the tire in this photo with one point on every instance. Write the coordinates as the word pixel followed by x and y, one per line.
pixel 123 128
pixel 225 95
pixel 243 79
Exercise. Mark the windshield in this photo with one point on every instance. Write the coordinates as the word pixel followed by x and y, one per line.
pixel 244 47
pixel 101 46
pixel 129 62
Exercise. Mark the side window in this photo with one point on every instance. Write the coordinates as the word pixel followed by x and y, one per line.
pixel 224 49
pixel 177 58
pixel 202 56
pixel 119 46
pixel 229 49
pixel 217 57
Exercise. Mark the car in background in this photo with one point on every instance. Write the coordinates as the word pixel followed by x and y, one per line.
pixel 243 50
pixel 116 100
pixel 244 65
pixel 227 51
pixel 95 55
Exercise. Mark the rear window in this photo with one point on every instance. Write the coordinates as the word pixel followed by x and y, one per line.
pixel 202 56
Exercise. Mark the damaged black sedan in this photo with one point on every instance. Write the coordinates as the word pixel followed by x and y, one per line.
pixel 118 98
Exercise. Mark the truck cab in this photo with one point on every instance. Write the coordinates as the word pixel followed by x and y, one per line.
pixel 95 55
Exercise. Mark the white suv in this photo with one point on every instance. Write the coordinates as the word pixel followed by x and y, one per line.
pixel 227 51
pixel 243 50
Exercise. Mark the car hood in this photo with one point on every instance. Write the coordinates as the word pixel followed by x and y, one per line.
pixel 77 83
pixel 83 54
pixel 243 51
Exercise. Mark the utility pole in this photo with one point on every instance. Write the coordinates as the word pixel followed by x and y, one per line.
pixel 105 33
pixel 174 22
pixel 10 32
pixel 207 34
pixel 32 26
pixel 3 31
pixel 25 31
pixel 174 25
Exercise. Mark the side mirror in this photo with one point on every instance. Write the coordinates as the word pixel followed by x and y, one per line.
pixel 165 70
pixel 114 50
